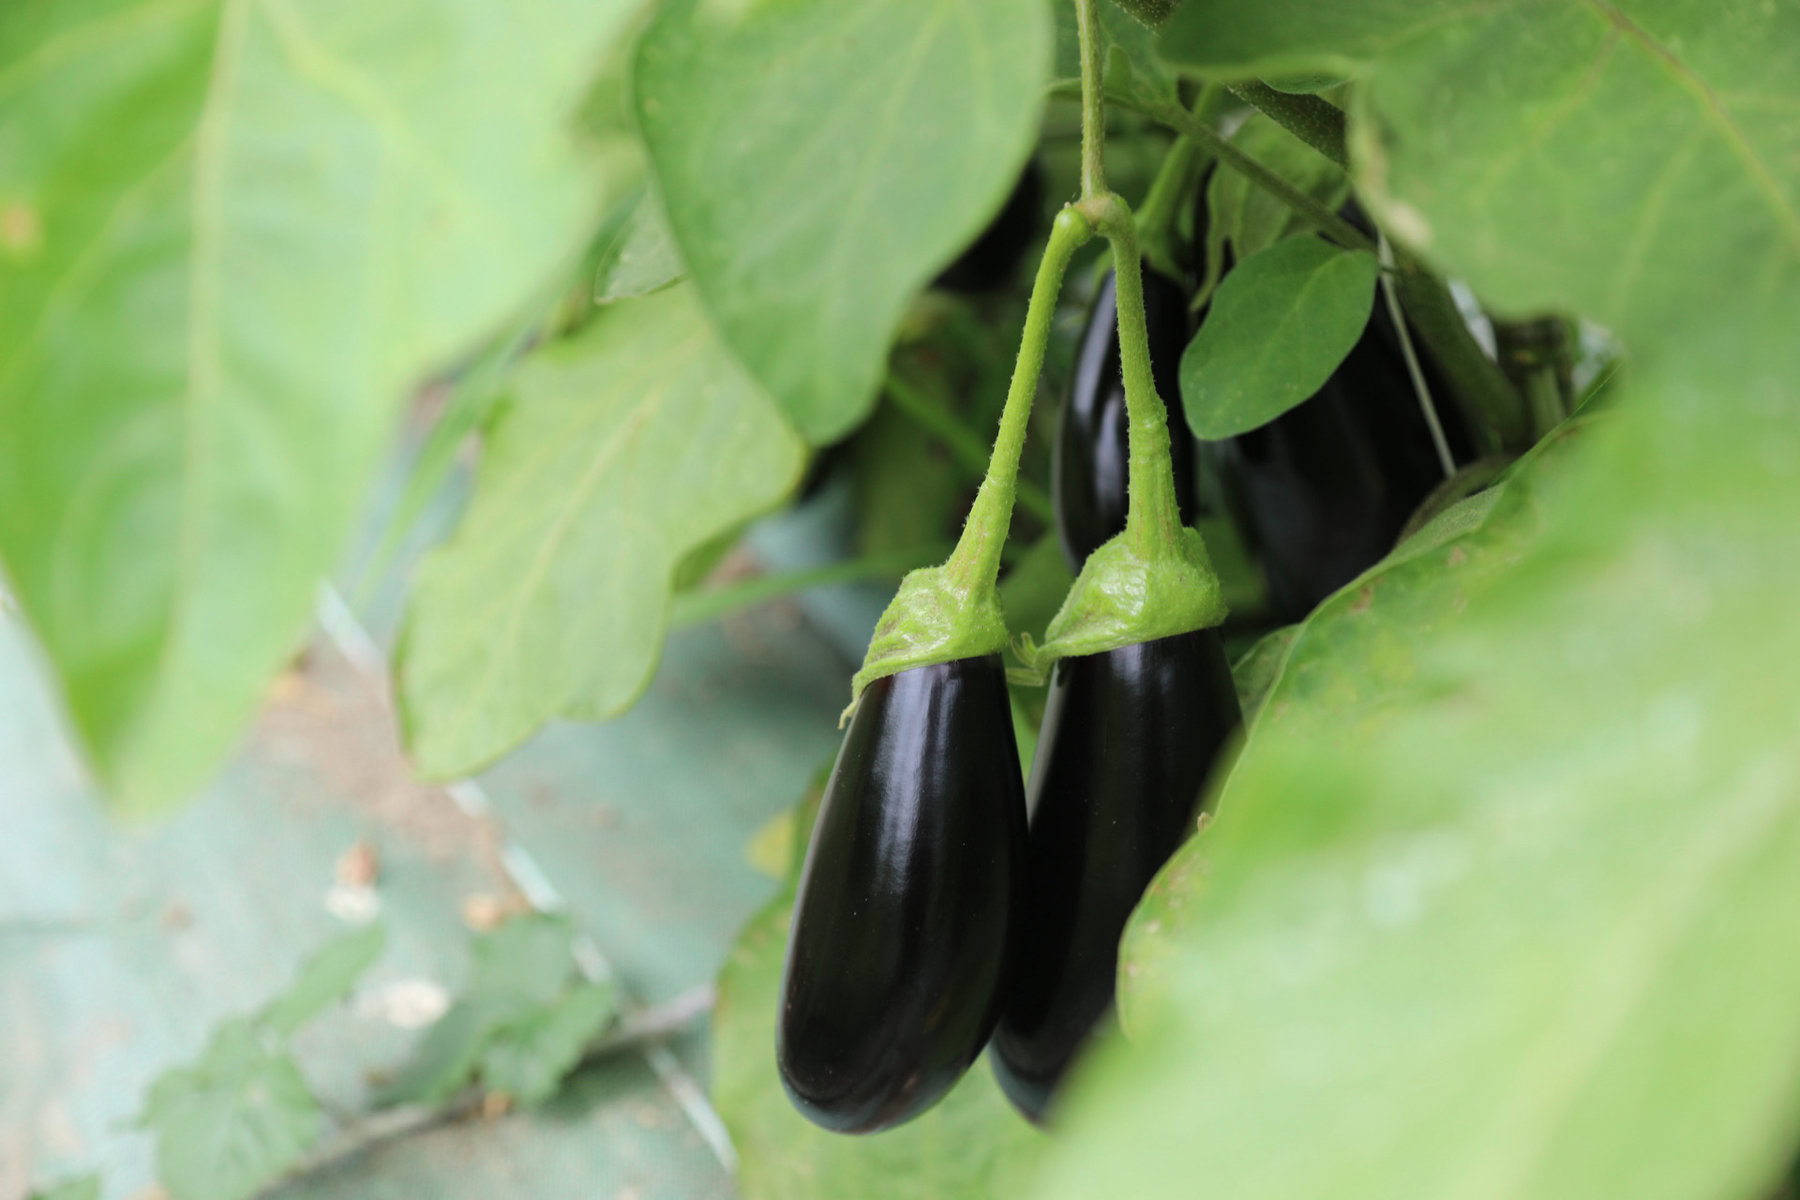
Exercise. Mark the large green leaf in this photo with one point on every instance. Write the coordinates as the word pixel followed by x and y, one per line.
pixel 971 1146
pixel 231 235
pixel 622 449
pixel 819 161
pixel 1274 332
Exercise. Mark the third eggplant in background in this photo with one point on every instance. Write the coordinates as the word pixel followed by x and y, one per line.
pixel 1322 491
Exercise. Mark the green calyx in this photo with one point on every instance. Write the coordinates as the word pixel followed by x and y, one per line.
pixel 952 611
pixel 934 617
pixel 1124 596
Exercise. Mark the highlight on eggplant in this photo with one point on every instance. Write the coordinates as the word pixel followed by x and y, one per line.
pixel 902 935
pixel 1129 740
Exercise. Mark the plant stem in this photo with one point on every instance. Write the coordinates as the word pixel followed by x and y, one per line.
pixel 1152 515
pixel 1413 370
pixel 1093 101
pixel 699 606
pixel 1493 410
pixel 963 443
pixel 976 560
pixel 1318 123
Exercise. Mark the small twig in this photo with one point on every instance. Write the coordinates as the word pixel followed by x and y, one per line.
pixel 365 1133
pixel 1420 387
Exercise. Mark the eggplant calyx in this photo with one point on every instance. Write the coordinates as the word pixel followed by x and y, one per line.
pixel 934 617
pixel 1124 596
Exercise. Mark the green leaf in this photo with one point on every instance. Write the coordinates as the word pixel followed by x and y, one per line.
pixel 522 971
pixel 623 448
pixel 232 1122
pixel 641 258
pixel 527 1058
pixel 819 161
pixel 326 979
pixel 1275 331
pixel 85 1188
pixel 248 230
pixel 971 1146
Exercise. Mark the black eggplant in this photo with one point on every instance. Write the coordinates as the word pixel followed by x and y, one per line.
pixel 1129 739
pixel 901 938
pixel 1089 469
pixel 992 259
pixel 1322 491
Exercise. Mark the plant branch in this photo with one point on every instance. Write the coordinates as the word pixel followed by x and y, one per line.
pixel 698 606
pixel 1093 101
pixel 1492 408
pixel 1318 123
pixel 387 1125
pixel 963 443
pixel 1191 126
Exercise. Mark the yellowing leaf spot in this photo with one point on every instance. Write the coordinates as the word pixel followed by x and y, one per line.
pixel 21 233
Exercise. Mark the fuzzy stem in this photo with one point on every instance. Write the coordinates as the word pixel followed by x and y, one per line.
pixel 1152 514
pixel 1093 101
pixel 976 560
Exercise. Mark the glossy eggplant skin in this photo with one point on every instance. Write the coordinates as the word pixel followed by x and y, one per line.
pixel 1092 458
pixel 1322 491
pixel 992 259
pixel 1129 740
pixel 900 946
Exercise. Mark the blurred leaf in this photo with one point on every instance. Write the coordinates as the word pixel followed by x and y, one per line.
pixel 820 161
pixel 233 1121
pixel 640 258
pixel 523 972
pixel 235 236
pixel 326 979
pixel 971 1145
pixel 85 1188
pixel 624 447
pixel 528 1057
pixel 1275 331
pixel 1228 40
pixel 908 490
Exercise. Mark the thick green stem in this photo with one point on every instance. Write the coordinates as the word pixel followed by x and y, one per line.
pixel 1318 123
pixel 1152 514
pixel 1328 222
pixel 1093 101
pixel 976 560
pixel 964 444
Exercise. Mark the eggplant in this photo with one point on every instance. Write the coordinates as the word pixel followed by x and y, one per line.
pixel 1091 462
pixel 901 940
pixel 1129 740
pixel 1322 491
